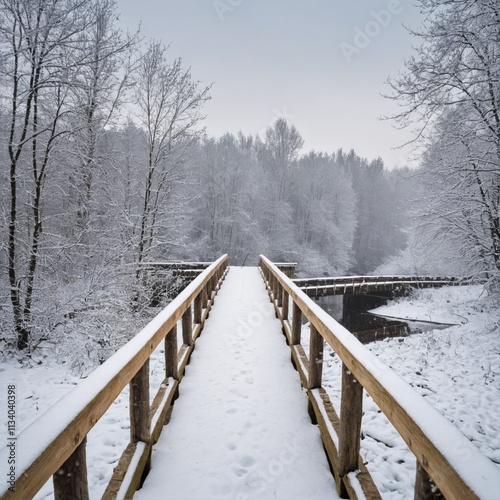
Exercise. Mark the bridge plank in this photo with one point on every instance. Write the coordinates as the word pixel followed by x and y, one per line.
pixel 128 473
pixel 301 362
pixel 244 403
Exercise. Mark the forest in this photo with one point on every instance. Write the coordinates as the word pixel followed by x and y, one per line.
pixel 105 166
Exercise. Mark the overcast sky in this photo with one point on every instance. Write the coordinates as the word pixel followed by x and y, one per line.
pixel 322 64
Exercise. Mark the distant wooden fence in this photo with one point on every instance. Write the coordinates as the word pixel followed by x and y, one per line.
pixel 54 445
pixel 175 268
pixel 351 285
pixel 444 455
pixel 288 268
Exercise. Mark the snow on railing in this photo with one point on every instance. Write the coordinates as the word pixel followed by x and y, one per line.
pixel 54 445
pixel 444 455
pixel 347 285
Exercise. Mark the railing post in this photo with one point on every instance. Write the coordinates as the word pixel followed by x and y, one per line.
pixel 351 412
pixel 208 297
pixel 284 312
pixel 296 324
pixel 204 298
pixel 212 284
pixel 171 361
pixel 315 359
pixel 425 488
pixel 187 326
pixel 279 291
pixel 197 309
pixel 315 371
pixel 139 405
pixel 70 481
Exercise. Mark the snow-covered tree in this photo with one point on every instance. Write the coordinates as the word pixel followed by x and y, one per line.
pixel 169 103
pixel 226 194
pixel 41 53
pixel 278 155
pixel 98 93
pixel 450 91
pixel 324 215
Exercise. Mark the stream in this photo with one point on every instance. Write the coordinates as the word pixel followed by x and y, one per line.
pixel 368 327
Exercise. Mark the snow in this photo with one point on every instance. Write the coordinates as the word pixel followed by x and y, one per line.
pixel 37 436
pixel 433 305
pixel 356 486
pixel 457 370
pixel 475 469
pixel 129 476
pixel 240 428
pixel 39 389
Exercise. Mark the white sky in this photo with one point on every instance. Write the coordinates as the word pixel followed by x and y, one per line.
pixel 271 58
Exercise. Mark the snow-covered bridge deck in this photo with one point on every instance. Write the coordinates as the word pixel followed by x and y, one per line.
pixel 240 428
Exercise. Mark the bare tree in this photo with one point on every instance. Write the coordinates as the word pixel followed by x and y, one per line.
pixel 36 37
pixel 324 214
pixel 98 91
pixel 278 155
pixel 169 104
pixel 225 191
pixel 282 146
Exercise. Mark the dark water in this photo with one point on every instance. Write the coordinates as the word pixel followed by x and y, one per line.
pixel 351 312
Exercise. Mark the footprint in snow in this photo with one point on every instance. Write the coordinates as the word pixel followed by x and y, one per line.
pixel 247 461
pixel 239 471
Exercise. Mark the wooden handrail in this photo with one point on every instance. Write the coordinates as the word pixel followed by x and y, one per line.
pixel 455 465
pixel 49 443
pixel 348 285
pixel 331 281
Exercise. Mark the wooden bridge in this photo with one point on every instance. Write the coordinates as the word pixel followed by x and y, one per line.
pixel 355 285
pixel 55 445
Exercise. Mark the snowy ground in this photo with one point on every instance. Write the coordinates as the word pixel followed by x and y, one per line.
pixel 456 369
pixel 39 386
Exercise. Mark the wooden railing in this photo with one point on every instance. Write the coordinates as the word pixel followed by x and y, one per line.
pixel 444 455
pixel 350 285
pixel 54 445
